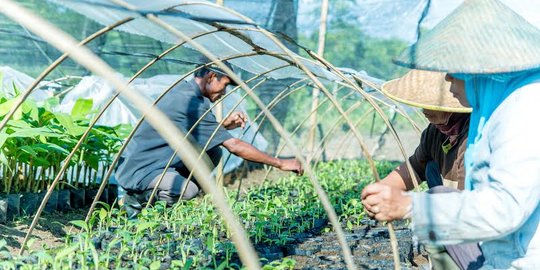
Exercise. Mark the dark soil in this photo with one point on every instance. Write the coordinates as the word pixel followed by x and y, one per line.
pixel 370 246
pixel 50 231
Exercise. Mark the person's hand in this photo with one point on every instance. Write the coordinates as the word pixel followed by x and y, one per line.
pixel 236 119
pixel 386 203
pixel 291 165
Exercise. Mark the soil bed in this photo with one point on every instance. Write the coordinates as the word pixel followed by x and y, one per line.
pixel 50 231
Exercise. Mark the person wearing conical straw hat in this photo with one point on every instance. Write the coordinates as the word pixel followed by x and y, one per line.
pixel 494 53
pixel 442 145
pixel 438 159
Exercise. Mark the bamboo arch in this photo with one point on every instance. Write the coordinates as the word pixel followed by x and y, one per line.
pixel 80 54
pixel 65 43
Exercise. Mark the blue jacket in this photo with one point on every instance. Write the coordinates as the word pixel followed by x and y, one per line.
pixel 502 211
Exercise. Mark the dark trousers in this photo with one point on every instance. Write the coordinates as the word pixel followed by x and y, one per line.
pixel 465 256
pixel 174 181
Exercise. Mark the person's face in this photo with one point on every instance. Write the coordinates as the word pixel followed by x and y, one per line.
pixel 437 117
pixel 457 88
pixel 214 87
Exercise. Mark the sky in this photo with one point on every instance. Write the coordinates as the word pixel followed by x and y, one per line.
pixel 398 18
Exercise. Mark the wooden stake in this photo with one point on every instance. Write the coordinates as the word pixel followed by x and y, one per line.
pixel 315 100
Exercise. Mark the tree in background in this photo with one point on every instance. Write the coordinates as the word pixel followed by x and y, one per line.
pixel 284 14
pixel 347 45
pixel 125 52
pixel 282 20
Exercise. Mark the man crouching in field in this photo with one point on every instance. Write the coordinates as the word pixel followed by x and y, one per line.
pixel 147 154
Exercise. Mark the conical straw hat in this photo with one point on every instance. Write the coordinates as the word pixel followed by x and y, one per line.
pixel 479 37
pixel 424 89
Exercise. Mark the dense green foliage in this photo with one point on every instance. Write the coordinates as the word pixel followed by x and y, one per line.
pixel 191 234
pixel 37 139
pixel 347 46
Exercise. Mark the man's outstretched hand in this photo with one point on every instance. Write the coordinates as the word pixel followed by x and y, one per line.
pixel 291 165
pixel 236 119
pixel 386 203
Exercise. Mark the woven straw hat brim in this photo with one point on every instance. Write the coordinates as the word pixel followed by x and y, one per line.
pixel 424 89
pixel 479 37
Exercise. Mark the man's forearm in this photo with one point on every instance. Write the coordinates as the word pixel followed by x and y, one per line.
pixel 249 152
pixel 397 178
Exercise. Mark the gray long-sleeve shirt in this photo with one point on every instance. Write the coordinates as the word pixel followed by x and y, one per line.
pixel 148 153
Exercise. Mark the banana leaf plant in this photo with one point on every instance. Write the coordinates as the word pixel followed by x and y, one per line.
pixel 36 141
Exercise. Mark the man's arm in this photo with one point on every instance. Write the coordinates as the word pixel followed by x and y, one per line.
pixel 398 177
pixel 249 152
pixel 392 186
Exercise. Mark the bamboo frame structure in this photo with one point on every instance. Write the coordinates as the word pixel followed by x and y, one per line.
pixel 275 123
pixel 65 43
pixel 331 213
pixel 139 122
pixel 80 54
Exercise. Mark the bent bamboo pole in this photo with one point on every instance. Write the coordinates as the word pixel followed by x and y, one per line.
pixel 130 136
pixel 164 126
pixel 215 132
pixel 277 125
pixel 20 99
pixel 154 190
pixel 348 259
pixel 325 140
pixel 306 118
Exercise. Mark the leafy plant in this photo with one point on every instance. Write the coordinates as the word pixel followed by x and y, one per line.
pixel 191 234
pixel 36 141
